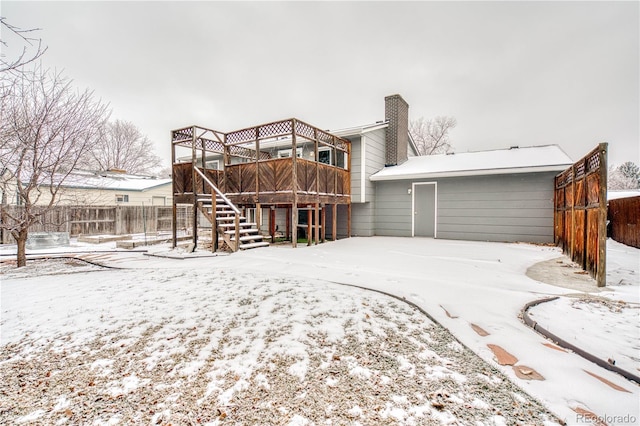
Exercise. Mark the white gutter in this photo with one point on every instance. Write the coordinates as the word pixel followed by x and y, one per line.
pixel 381 176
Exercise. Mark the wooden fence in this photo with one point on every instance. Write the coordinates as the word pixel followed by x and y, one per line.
pixel 580 226
pixel 111 220
pixel 624 215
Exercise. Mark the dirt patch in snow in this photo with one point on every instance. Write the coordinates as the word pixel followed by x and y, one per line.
pixel 221 348
pixel 561 272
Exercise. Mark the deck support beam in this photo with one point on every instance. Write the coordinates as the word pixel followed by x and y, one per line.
pixel 194 164
pixel 323 230
pixel 316 223
pixel 334 222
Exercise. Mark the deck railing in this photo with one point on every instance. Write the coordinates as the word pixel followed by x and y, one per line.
pixel 266 177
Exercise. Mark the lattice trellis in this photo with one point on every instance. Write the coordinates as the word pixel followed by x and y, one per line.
pixel 305 130
pixel 593 162
pixel 242 136
pixel 214 141
pixel 279 128
pixel 579 170
pixel 182 134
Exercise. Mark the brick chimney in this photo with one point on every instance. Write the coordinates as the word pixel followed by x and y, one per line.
pixel 396 112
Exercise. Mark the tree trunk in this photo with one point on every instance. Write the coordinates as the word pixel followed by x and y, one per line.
pixel 21 240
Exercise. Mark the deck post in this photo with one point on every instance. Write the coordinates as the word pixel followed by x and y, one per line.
pixel 294 187
pixel 257 165
pixel 237 235
pixel 334 221
pixel 349 220
pixel 272 223
pixel 309 225
pixel 288 223
pixel 323 234
pixel 258 216
pixel 193 187
pixel 316 224
pixel 214 222
pixel 174 209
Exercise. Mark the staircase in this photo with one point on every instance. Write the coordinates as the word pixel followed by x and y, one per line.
pixel 232 227
pixel 225 217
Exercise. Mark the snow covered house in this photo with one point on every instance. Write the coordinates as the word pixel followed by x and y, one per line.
pixel 363 181
pixel 108 188
pixel 500 195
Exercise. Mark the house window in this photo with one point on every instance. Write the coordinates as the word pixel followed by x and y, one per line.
pixel 122 198
pixel 213 165
pixel 324 155
pixel 341 159
pixel 286 153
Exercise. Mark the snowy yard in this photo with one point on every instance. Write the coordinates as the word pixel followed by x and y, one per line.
pixel 271 336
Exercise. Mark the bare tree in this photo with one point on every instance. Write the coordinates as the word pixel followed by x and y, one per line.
pixel 123 146
pixel 46 127
pixel 432 136
pixel 32 47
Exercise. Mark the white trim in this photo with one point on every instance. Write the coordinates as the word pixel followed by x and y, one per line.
pixel 486 172
pixel 286 153
pixel 413 207
pixel 359 130
pixel 363 169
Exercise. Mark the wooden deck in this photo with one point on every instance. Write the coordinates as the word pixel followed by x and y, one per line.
pixel 251 175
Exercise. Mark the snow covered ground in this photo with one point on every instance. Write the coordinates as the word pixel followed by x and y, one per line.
pixel 273 332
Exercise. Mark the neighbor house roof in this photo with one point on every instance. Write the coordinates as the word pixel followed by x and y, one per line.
pixel 501 161
pixel 614 194
pixel 111 181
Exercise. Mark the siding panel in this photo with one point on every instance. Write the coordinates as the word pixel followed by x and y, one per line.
pixel 516 207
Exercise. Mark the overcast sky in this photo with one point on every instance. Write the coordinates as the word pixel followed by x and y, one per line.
pixel 511 73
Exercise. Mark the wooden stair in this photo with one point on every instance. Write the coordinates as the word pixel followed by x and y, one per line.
pixel 232 227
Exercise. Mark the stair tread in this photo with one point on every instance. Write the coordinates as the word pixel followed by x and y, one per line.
pixel 242 231
pixel 242 225
pixel 225 218
pixel 253 245
pixel 249 237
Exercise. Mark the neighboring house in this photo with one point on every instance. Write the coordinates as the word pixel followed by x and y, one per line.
pixel 108 188
pixel 499 195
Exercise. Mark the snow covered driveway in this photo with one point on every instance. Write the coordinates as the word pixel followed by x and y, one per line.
pixel 214 346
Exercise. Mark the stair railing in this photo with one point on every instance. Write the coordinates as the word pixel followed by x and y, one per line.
pixel 228 202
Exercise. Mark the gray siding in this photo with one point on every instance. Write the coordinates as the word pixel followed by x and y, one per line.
pixel 516 207
pixel 356 169
pixel 362 213
pixel 393 209
pixel 374 159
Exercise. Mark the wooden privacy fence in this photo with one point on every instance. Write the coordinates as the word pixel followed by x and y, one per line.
pixel 112 220
pixel 624 215
pixel 580 217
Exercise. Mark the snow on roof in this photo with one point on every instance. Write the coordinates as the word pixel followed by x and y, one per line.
pixel 111 181
pixel 627 193
pixel 501 161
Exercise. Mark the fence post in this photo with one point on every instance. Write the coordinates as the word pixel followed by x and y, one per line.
pixel 601 275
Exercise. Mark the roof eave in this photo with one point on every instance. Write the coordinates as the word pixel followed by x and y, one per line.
pixel 461 173
pixel 359 130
